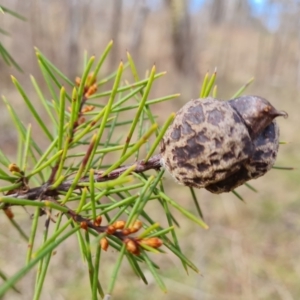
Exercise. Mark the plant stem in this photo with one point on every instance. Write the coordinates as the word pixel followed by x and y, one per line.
pixel 44 191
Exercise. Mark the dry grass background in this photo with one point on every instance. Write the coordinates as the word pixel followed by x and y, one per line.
pixel 251 250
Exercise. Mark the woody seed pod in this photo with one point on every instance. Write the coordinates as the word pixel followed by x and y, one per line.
pixel 219 145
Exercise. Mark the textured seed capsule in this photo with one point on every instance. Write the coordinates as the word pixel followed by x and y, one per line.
pixel 261 161
pixel 219 145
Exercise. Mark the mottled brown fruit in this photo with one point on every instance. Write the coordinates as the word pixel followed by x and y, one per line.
pixel 219 145
pixel 263 158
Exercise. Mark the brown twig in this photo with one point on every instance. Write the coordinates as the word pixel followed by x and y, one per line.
pixel 45 191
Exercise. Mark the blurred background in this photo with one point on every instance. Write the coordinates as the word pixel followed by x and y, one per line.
pixel 251 250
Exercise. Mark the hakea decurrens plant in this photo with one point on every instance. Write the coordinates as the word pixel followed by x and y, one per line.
pixel 62 174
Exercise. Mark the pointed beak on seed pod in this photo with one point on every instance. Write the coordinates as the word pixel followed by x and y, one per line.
pixel 256 112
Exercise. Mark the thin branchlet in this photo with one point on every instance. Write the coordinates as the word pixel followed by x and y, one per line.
pixel 45 190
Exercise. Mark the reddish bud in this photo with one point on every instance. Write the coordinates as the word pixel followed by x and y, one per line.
pixel 119 224
pixel 14 168
pixel 9 213
pixel 88 108
pixel 104 244
pixel 98 221
pixel 84 225
pixel 92 90
pixel 153 242
pixel 110 229
pixel 132 246
pixel 137 225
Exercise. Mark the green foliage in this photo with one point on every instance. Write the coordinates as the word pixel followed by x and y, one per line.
pixel 8 59
pixel 88 130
